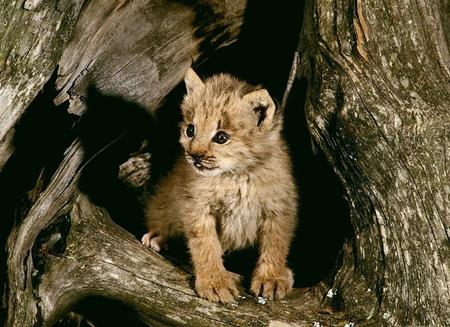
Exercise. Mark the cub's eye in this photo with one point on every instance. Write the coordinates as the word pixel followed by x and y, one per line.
pixel 190 130
pixel 221 137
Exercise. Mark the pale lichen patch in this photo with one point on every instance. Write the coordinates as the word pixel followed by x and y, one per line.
pixel 32 4
pixel 176 318
pixel 404 81
pixel 407 258
pixel 331 292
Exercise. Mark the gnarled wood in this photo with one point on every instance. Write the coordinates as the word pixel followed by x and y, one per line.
pixel 23 308
pixel 31 43
pixel 143 61
pixel 100 258
pixel 378 104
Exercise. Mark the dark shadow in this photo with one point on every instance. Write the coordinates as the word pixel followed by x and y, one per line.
pixel 164 145
pixel 263 55
pixel 110 130
pixel 264 51
pixel 210 26
pixel 101 312
pixel 41 136
pixel 323 212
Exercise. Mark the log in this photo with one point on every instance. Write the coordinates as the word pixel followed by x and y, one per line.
pixel 142 62
pixel 378 105
pixel 23 309
pixel 78 251
pixel 32 40
pixel 101 258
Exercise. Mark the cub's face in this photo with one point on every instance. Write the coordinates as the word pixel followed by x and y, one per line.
pixel 224 128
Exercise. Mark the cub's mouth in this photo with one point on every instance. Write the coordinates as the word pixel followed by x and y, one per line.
pixel 205 170
pixel 200 166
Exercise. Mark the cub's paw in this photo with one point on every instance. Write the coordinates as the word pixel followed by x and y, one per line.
pixel 272 282
pixel 217 287
pixel 153 241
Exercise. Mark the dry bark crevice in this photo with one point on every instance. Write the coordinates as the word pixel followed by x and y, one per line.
pixel 382 138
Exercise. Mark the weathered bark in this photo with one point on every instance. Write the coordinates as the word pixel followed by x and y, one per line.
pixel 81 252
pixel 93 264
pixel 31 43
pixel 23 308
pixel 142 61
pixel 379 106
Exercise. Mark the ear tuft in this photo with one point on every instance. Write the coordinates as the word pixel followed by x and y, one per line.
pixel 262 105
pixel 193 81
pixel 261 112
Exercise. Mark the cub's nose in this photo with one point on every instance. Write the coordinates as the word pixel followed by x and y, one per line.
pixel 197 157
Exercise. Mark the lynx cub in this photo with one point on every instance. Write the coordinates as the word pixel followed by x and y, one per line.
pixel 232 189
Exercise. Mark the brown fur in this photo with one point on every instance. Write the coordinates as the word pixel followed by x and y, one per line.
pixel 242 192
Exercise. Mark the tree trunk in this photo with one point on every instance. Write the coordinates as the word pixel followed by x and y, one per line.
pixel 31 42
pixel 378 104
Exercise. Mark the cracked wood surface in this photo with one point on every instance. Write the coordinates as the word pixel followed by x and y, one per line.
pixel 23 309
pixel 379 106
pixel 103 259
pixel 100 258
pixel 31 43
pixel 143 61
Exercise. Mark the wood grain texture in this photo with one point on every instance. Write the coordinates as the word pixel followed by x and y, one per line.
pixel 143 61
pixel 23 309
pixel 378 104
pixel 67 249
pixel 31 43
pixel 100 258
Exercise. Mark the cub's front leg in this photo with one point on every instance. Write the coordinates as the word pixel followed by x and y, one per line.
pixel 212 281
pixel 272 278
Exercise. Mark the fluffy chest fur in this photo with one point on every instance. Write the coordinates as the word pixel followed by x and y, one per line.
pixel 237 207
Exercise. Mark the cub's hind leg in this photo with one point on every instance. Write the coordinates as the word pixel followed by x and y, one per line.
pixel 162 224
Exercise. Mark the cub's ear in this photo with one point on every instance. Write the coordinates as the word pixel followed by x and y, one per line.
pixel 192 81
pixel 262 105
